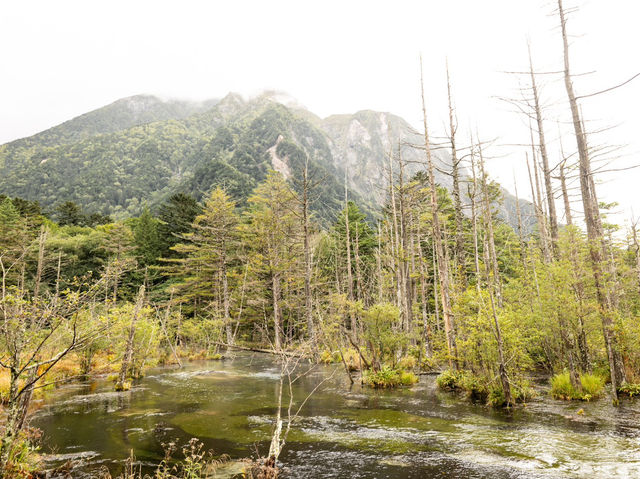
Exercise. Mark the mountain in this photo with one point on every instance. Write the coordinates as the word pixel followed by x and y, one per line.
pixel 119 115
pixel 141 149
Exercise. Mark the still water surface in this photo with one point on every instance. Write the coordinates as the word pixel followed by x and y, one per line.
pixel 344 432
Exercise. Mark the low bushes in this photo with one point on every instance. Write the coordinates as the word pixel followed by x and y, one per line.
pixel 629 389
pixel 24 459
pixel 480 389
pixel 351 358
pixel 5 383
pixel 592 387
pixel 389 378
pixel 475 387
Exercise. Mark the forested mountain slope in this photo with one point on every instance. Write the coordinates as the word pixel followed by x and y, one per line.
pixel 139 150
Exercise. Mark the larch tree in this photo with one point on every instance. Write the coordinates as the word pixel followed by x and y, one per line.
pixel 271 230
pixel 208 252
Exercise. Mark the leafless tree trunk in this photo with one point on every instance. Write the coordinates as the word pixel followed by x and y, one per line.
pixel 493 257
pixel 379 263
pixel 460 255
pixel 41 242
pixel 308 305
pixel 636 246
pixel 473 195
pixel 565 195
pixel 405 272
pixel 443 267
pixel 348 245
pixel 542 225
pixel 502 369
pixel 395 238
pixel 128 352
pixel 277 315
pixel 426 329
pixel 553 218
pixel 592 219
pixel 523 251
pixel 225 296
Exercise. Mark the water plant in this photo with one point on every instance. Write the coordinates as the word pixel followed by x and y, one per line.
pixel 592 387
pixel 450 380
pixel 482 389
pixel 388 377
pixel 630 389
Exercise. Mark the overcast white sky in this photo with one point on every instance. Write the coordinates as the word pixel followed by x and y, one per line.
pixel 61 59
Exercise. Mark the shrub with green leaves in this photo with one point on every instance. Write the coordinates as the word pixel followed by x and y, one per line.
pixel 630 389
pixel 389 378
pixel 451 380
pixel 592 387
pixel 592 384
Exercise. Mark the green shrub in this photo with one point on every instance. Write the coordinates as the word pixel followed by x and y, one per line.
pixel 326 357
pixel 329 357
pixel 408 362
pixel 450 380
pixel 480 388
pixel 389 378
pixel 630 389
pixel 23 458
pixel 592 386
pixel 561 387
pixel 496 397
pixel 125 386
pixel 428 364
pixel 407 378
pixel 522 391
pixel 475 387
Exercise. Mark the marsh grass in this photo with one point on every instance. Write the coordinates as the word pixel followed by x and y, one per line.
pixel 592 387
pixel 389 378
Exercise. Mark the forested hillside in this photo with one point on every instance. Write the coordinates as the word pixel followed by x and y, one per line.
pixel 140 150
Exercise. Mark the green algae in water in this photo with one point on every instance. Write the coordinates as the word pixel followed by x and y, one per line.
pixel 429 433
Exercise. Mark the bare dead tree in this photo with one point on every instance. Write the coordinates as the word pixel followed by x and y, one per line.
pixel 127 358
pixel 551 206
pixel 348 247
pixel 457 201
pixel 443 267
pixel 592 219
pixel 37 332
pixel 636 248
pixel 542 226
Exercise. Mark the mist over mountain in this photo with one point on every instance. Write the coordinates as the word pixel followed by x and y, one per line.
pixel 141 149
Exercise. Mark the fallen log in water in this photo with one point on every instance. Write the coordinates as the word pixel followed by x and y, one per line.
pixel 291 354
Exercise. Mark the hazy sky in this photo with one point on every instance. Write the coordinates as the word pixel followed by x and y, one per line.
pixel 63 58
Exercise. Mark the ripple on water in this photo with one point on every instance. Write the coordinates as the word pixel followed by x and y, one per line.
pixel 345 432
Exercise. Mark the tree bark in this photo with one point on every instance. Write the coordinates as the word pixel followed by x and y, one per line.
pixel 553 218
pixel 128 352
pixel 348 245
pixel 308 305
pixel 225 297
pixel 565 196
pixel 460 257
pixel 443 270
pixel 275 288
pixel 542 226
pixel 592 219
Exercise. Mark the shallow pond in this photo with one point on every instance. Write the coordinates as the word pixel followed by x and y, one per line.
pixel 342 432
